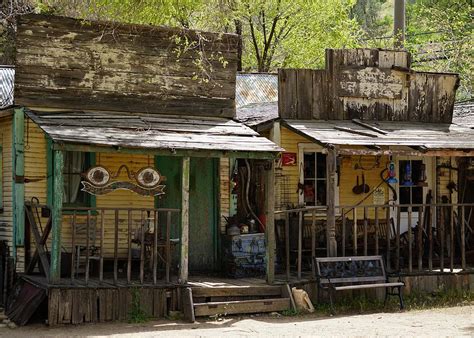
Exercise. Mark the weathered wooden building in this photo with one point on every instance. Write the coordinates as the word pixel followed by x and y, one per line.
pixel 118 181
pixel 370 165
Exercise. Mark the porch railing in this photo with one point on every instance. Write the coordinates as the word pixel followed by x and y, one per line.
pixel 147 228
pixel 415 238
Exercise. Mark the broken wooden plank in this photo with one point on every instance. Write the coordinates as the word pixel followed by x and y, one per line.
pixel 353 131
pixel 368 126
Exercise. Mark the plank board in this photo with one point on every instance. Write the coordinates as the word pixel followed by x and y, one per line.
pixel 243 306
pixel 368 84
pixel 61 61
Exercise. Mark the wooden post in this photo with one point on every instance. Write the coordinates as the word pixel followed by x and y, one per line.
pixel 58 181
pixel 270 226
pixel 463 238
pixel 18 188
pixel 300 242
pixel 331 200
pixel 313 243
pixel 183 271
pixel 343 232
pixel 376 230
pixel 365 231
pixel 419 234
pixel 410 253
pixel 287 245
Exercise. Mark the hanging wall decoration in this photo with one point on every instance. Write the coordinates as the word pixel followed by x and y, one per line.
pixel 146 181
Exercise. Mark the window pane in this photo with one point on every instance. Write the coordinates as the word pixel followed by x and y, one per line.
pixel 404 197
pixel 309 164
pixel 321 192
pixel 416 170
pixel 321 165
pixel 403 171
pixel 309 192
pixel 416 196
pixel 75 163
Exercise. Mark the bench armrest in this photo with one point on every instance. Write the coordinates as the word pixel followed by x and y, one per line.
pixel 395 274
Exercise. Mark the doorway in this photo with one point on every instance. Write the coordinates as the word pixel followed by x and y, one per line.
pixel 203 206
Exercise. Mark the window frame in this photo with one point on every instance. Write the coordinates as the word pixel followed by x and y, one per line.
pixel 309 148
pixel 91 200
pixel 88 164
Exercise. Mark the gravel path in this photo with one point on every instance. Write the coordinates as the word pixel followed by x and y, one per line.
pixel 454 321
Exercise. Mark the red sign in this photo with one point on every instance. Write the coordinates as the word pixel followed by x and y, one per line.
pixel 288 159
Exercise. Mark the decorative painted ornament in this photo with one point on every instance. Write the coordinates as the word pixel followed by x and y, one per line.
pixel 391 173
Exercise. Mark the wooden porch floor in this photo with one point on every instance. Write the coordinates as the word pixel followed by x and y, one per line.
pixel 195 281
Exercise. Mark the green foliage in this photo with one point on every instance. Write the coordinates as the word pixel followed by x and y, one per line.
pixel 277 33
pixel 374 17
pixel 136 313
pixel 440 35
pixel 290 313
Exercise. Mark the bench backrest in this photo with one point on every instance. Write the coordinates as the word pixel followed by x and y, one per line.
pixel 353 269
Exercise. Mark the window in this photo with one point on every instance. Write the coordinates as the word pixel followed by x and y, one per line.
pixel 412 175
pixel 314 175
pixel 75 163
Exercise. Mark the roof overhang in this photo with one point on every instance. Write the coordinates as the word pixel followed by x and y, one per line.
pixel 387 137
pixel 152 134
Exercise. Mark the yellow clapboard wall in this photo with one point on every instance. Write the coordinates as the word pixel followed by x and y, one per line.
pixel 6 217
pixel 290 141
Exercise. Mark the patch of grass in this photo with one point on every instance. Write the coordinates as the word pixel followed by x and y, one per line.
pixel 137 314
pixel 290 313
pixel 414 301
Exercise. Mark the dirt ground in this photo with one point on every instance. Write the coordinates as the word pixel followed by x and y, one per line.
pixel 454 321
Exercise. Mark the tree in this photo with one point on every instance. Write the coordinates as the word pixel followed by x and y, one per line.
pixel 271 30
pixel 440 35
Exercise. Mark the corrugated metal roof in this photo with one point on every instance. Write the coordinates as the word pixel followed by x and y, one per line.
pixel 417 134
pixel 130 130
pixel 463 114
pixel 256 88
pixel 7 79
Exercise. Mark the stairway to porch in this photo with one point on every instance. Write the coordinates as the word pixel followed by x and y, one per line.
pixel 200 301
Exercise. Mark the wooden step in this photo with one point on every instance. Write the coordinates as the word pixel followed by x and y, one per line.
pixel 242 306
pixel 238 291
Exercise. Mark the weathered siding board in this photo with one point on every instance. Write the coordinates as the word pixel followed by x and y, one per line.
pixel 224 192
pixel 287 99
pixel 320 98
pixel 367 84
pixel 6 217
pixel 61 61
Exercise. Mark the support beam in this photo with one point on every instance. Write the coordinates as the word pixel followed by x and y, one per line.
pixel 331 202
pixel 18 187
pixel 183 271
pixel 58 181
pixel 389 152
pixel 165 152
pixel 270 225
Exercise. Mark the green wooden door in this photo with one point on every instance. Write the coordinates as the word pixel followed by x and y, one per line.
pixel 203 206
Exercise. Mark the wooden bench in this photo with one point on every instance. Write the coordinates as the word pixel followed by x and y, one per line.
pixel 353 273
